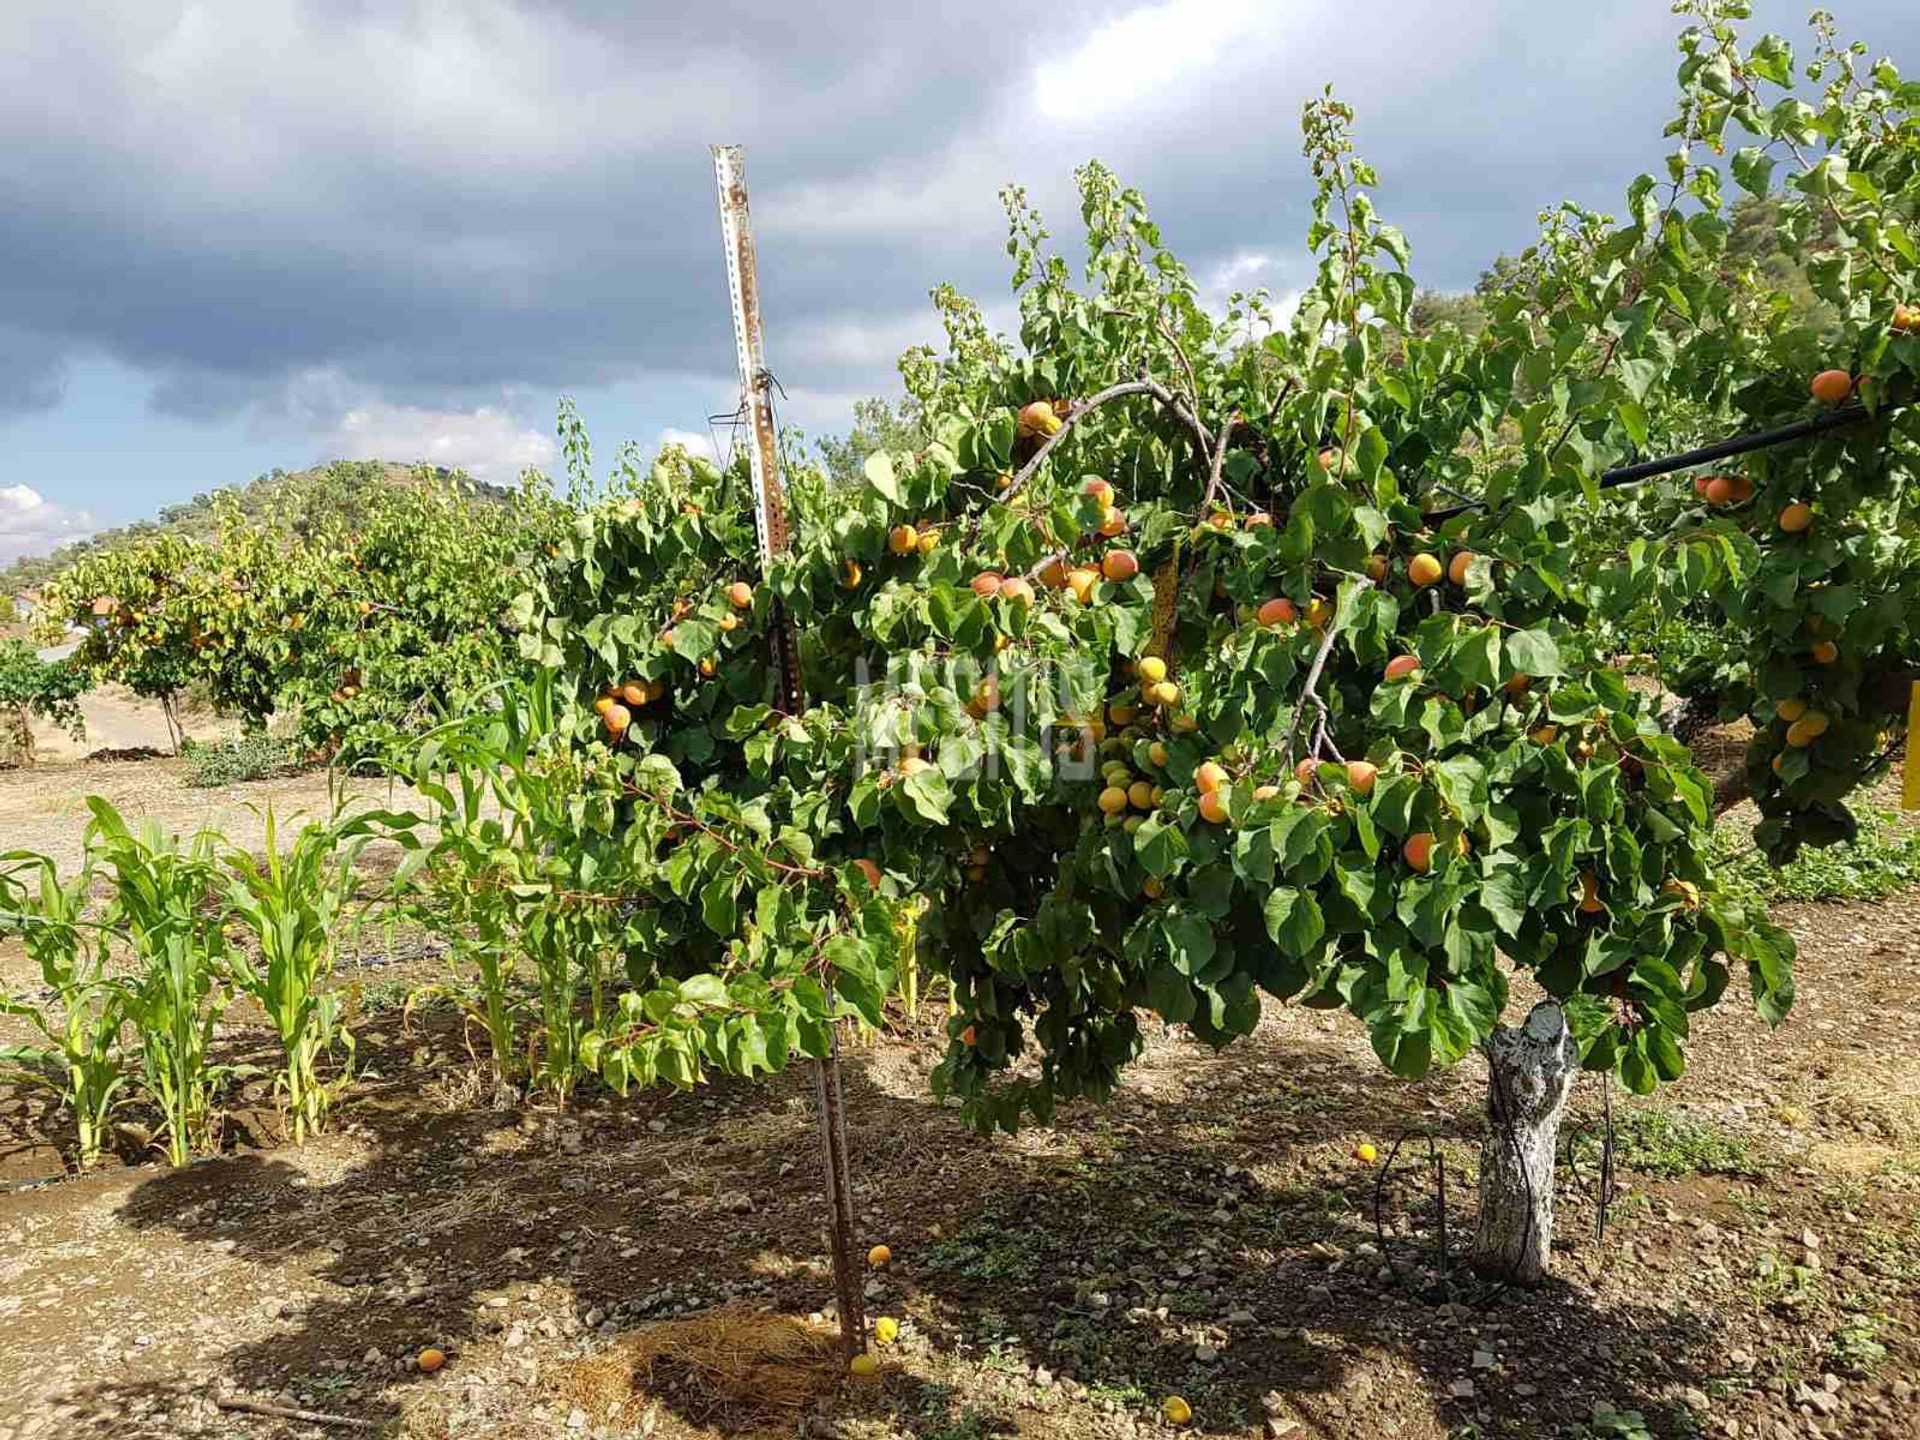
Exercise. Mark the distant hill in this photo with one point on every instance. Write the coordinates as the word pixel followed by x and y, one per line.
pixel 301 498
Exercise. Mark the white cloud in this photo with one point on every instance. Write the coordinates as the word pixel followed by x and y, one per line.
pixel 489 444
pixel 1145 54
pixel 692 441
pixel 31 524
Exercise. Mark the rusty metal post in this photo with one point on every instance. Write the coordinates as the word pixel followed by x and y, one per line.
pixel 770 522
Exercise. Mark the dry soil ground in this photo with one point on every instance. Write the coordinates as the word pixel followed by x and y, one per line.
pixel 1206 1234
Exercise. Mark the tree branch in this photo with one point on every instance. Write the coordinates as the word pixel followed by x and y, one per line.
pixel 1311 691
pixel 1144 385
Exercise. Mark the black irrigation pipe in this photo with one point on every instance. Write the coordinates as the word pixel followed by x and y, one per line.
pixel 1706 454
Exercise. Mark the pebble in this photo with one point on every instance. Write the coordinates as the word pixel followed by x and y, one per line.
pixel 1461 1389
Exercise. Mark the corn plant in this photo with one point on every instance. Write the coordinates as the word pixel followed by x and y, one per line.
pixel 293 905
pixel 162 903
pixel 523 863
pixel 81 1026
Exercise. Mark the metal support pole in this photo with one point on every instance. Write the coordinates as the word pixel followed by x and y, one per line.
pixel 770 523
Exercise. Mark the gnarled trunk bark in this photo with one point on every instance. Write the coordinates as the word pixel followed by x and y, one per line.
pixel 1530 1079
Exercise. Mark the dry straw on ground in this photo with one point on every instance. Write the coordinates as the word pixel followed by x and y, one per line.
pixel 739 1371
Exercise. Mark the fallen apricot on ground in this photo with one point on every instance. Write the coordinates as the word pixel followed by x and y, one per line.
pixel 879 1257
pixel 886 1330
pixel 1175 1411
pixel 1365 1153
pixel 863 1367
pixel 430 1359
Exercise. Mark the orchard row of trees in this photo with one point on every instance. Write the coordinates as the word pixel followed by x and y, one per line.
pixel 358 603
pixel 1175 663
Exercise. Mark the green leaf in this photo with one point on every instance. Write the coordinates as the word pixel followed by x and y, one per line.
pixel 879 473
pixel 1294 921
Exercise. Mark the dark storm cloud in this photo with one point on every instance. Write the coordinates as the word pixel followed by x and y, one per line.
pixel 282 207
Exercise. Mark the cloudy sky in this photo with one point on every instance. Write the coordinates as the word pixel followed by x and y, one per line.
pixel 236 234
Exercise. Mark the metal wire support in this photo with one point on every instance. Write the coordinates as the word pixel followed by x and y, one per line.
pixel 1437 1160
pixel 770 524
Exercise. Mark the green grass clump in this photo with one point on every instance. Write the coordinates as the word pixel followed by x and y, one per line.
pixel 230 762
pixel 1882 861
pixel 1659 1141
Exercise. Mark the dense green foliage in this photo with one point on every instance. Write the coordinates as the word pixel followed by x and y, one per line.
pixel 35 689
pixel 361 616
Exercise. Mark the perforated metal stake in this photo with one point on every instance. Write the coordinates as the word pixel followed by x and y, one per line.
pixel 770 524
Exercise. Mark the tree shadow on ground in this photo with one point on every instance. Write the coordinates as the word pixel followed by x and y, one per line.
pixel 1203 1235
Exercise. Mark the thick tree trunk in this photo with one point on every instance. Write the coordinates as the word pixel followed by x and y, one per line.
pixel 1530 1079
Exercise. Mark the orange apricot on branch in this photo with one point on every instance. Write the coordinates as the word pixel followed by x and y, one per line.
pixel 1797 518
pixel 1457 567
pixel 740 595
pixel 1277 611
pixel 1830 387
pixel 1038 420
pixel 1213 807
pixel 1118 565
pixel 1401 666
pixel 1425 570
pixel 903 540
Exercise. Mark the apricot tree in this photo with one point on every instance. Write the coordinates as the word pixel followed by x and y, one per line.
pixel 1191 660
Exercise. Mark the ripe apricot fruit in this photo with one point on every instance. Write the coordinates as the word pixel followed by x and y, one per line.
pixel 1361 774
pixel 1175 1411
pixel 1319 611
pixel 850 574
pixel 1830 387
pixel 1825 653
pixel 1401 666
pixel 886 1330
pixel 1590 893
pixel 1278 611
pixel 1377 568
pixel 1114 522
pixel 634 694
pixel 1720 490
pixel 1210 777
pixel 1457 567
pixel 1685 891
pixel 987 584
pixel 903 540
pixel 1113 800
pixel 1016 591
pixel 1118 565
pixel 1151 669
pixel 1053 574
pixel 1807 729
pixel 1307 771
pixel 1791 709
pixel 430 1359
pixel 1100 490
pixel 1213 807
pixel 1796 518
pixel 600 706
pixel 1258 520
pixel 1419 851
pixel 879 1257
pixel 1037 420
pixel 617 718
pixel 1365 1153
pixel 1083 583
pixel 928 540
pixel 863 1367
pixel 1266 792
pixel 1425 570
pixel 740 595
